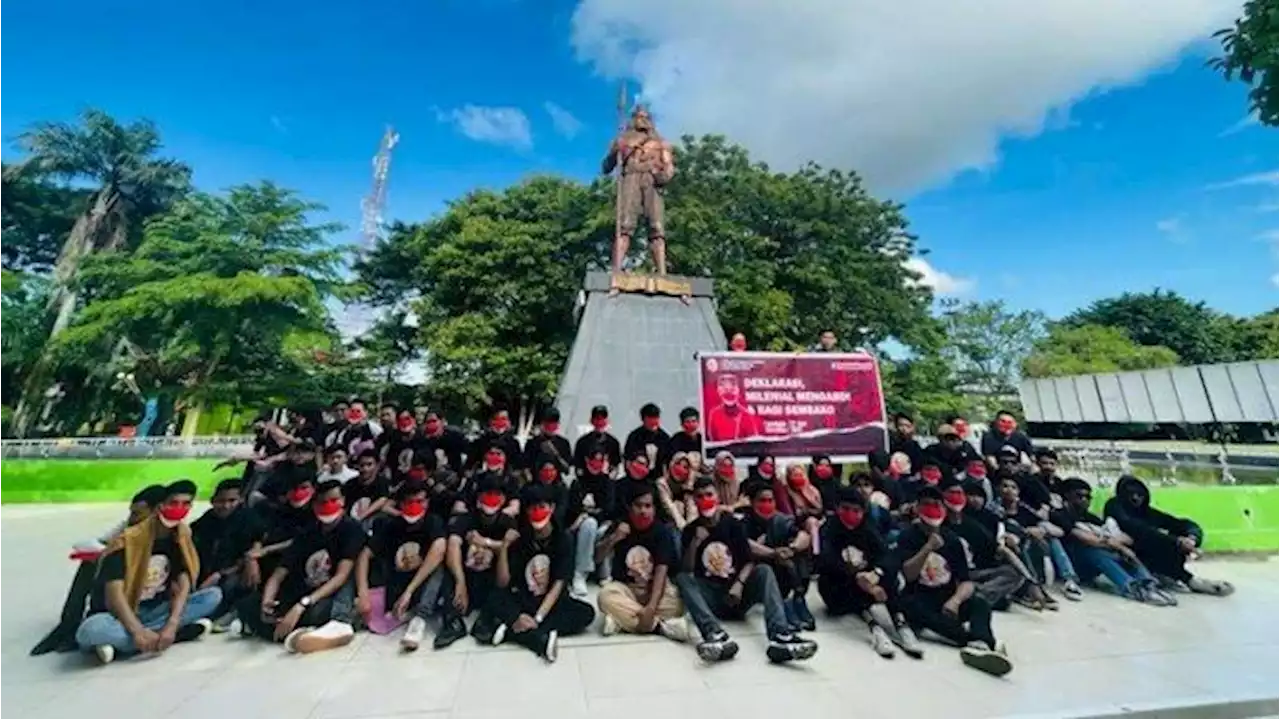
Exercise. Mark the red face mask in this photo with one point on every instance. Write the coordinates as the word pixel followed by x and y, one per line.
pixel 329 510
pixel 850 517
pixel 490 502
pixel 638 470
pixel 640 521
pixel 652 423
pixel 680 471
pixel 494 460
pixel 548 474
pixel 1006 425
pixel 690 426
pixel 355 415
pixel 796 480
pixel 550 427
pixel 932 513
pixel 406 424
pixel 413 509
pixel 595 466
pixel 726 470
pixel 737 344
pixel 418 473
pixel 299 496
pixel 823 471
pixel 173 512
pixel 706 504
pixel 539 515
pixel 954 499
pixel 600 424
pixel 765 507
pixel 433 426
pixel 977 469
pixel 500 424
pixel 766 470
pixel 961 427
pixel 931 475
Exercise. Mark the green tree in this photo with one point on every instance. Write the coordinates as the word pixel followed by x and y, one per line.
pixel 985 345
pixel 25 321
pixel 222 299
pixel 1250 52
pixel 37 215
pixel 1091 349
pixel 1162 318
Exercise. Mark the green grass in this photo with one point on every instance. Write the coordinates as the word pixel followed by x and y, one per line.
pixel 28 481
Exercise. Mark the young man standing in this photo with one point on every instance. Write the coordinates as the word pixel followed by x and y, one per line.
pixel 498 436
pixel 297 605
pixel 939 595
pixel 405 551
pixel 1004 433
pixel 600 439
pixel 857 576
pixel 474 541
pixel 688 439
pixel 448 444
pixel 143 600
pixel 721 580
pixel 548 443
pixel 649 438
pixel 642 598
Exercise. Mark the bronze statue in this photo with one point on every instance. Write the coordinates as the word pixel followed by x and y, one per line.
pixel 646 166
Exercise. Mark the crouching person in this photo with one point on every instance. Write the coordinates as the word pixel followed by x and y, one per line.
pixel 721 581
pixel 778 541
pixel 939 596
pixel 530 602
pixel 405 552
pixel 298 604
pixel 475 538
pixel 856 576
pixel 641 599
pixel 142 599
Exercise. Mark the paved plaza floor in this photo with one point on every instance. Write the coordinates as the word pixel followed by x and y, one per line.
pixel 1101 656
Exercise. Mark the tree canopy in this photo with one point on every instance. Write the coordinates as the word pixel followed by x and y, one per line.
pixel 1250 53
pixel 1092 349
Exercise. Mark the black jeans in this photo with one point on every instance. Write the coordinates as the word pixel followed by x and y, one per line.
pixel 249 609
pixel 568 617
pixel 842 595
pixel 479 586
pixel 1162 556
pixel 924 611
pixel 709 601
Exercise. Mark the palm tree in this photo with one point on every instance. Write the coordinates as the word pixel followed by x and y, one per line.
pixel 130 183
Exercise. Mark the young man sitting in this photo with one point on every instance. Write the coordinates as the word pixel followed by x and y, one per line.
pixel 994 577
pixel 405 551
pixel 474 540
pixel 529 603
pixel 297 605
pixel 1101 548
pixel 1038 539
pixel 143 599
pixel 721 581
pixel 335 465
pixel 367 494
pixel 591 498
pixel 1162 541
pixel 856 576
pixel 776 540
pixel 939 595
pixel 641 599
pixel 223 536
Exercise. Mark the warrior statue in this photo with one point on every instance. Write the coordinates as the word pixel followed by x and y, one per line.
pixel 646 166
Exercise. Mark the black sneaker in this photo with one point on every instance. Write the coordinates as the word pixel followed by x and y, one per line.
pixel 193 631
pixel 789 647
pixel 453 629
pixel 718 648
pixel 989 661
pixel 807 621
pixel 483 629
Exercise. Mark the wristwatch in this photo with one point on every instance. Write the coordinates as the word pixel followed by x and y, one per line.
pixel 306 601
pixel 537 618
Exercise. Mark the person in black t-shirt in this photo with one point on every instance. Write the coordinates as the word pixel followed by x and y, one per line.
pixel 591 499
pixel 532 575
pixel 857 576
pixel 721 580
pixel 939 596
pixel 298 604
pixel 993 568
pixel 358 434
pixel 688 439
pixel 600 439
pixel 1004 433
pixel 142 599
pixel 951 452
pixel 548 443
pixel 903 439
pixel 777 541
pixel 499 436
pixel 649 438
pixel 401 445
pixel 368 493
pixel 223 536
pixel 404 555
pixel 282 518
pixel 641 599
pixel 447 444
pixel 474 540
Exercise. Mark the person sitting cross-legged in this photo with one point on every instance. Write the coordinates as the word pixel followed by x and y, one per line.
pixel 642 598
pixel 474 540
pixel 995 571
pixel 530 602
pixel 298 603
pixel 143 599
pixel 223 536
pixel 587 519
pixel 857 575
pixel 721 581
pixel 405 552
pixel 939 595
pixel 779 542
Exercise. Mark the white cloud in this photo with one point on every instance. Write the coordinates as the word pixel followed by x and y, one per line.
pixel 1255 178
pixel 507 126
pixel 1169 225
pixel 941 282
pixel 279 125
pixel 908 93
pixel 562 120
pixel 1241 125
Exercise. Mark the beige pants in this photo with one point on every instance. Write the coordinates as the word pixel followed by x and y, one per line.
pixel 623 604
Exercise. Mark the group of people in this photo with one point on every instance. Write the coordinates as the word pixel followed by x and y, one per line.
pixel 346 523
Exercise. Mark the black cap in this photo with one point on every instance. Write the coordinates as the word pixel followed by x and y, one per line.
pixel 850 495
pixel 974 489
pixel 326 486
pixel 599 412
pixel 490 482
pixel 551 414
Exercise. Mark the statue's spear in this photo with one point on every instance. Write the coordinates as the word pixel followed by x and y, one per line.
pixel 617 177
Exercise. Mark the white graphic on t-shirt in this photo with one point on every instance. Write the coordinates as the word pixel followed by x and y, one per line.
pixel 537 574
pixel 317 569
pixel 968 552
pixel 639 564
pixel 404 461
pixel 935 572
pixel 651 451
pixel 479 558
pixel 880 499
pixel 589 502
pixel 854 557
pixel 157 576
pixel 717 560
pixel 441 459
pixel 408 557
pixel 360 506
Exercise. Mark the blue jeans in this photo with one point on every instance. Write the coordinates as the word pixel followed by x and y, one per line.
pixel 1122 573
pixel 1062 565
pixel 103 628
pixel 584 561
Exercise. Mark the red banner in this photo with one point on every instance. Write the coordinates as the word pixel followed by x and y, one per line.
pixel 791 405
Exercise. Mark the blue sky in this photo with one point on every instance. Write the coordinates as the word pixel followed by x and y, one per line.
pixel 1048 187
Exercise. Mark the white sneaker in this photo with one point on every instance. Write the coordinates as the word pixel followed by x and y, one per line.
pixel 552 650
pixel 330 636
pixel 677 629
pixel 579 586
pixel 105 653
pixel 881 643
pixel 609 626
pixel 499 634
pixel 413 635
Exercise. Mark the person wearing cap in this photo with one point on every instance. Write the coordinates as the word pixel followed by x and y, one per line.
pixel 649 438
pixel 143 599
pixel 475 538
pixel 856 575
pixel 1003 433
pixel 548 443
pixel 939 594
pixel 599 439
pixel 951 453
